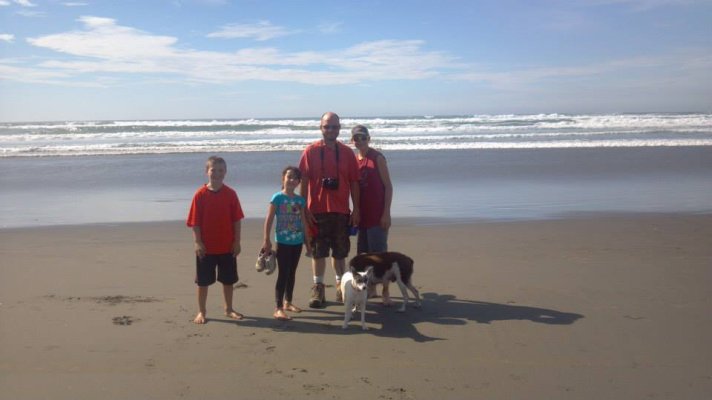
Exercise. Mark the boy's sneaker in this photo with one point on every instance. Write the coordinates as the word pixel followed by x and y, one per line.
pixel 260 264
pixel 316 298
pixel 339 295
pixel 270 262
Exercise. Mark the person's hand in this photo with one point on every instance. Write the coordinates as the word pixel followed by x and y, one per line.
pixel 236 249
pixel 355 217
pixel 199 249
pixel 267 246
pixel 385 222
pixel 311 220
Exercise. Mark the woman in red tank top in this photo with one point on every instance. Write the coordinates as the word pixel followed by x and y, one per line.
pixel 376 196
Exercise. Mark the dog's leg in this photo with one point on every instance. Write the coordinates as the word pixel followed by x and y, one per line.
pixel 386 294
pixel 415 293
pixel 403 290
pixel 348 310
pixel 363 313
pixel 401 286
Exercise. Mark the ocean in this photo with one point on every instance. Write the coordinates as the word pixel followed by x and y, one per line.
pixel 482 167
pixel 76 138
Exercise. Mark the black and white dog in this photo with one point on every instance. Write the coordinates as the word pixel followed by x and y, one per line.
pixel 354 286
pixel 389 266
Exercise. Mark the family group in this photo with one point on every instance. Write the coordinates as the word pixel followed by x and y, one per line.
pixel 318 217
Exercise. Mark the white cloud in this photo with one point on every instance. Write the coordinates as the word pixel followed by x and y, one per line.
pixel 4 3
pixel 640 5
pixel 75 4
pixel 31 14
pixel 25 3
pixel 9 71
pixel 683 63
pixel 330 27
pixel 261 31
pixel 104 39
pixel 103 47
pixel 104 53
pixel 7 37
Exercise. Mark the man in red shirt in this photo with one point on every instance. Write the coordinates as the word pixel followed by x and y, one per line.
pixel 215 217
pixel 329 175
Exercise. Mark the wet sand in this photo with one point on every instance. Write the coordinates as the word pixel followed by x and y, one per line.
pixel 587 307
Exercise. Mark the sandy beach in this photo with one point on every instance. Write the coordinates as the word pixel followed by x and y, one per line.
pixel 588 307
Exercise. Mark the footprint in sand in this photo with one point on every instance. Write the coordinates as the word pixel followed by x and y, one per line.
pixel 123 320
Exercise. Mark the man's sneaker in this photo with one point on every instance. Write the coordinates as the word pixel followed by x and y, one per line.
pixel 339 295
pixel 270 262
pixel 316 298
pixel 260 264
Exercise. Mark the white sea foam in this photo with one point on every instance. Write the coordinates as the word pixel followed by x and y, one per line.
pixel 410 133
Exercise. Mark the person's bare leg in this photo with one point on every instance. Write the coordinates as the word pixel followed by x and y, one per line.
pixel 227 295
pixel 202 299
pixel 318 266
pixel 339 266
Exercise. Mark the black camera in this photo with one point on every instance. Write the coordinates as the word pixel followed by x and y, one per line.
pixel 330 183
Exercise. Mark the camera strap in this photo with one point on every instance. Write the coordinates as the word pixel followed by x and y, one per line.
pixel 323 169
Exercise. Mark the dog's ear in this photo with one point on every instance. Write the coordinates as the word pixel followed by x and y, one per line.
pixel 369 270
pixel 352 269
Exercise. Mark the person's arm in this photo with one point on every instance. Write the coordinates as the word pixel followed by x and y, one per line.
pixel 307 232
pixel 356 199
pixel 237 228
pixel 304 186
pixel 198 240
pixel 388 188
pixel 267 243
pixel 354 177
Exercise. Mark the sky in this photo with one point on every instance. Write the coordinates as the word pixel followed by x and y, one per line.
pixel 188 59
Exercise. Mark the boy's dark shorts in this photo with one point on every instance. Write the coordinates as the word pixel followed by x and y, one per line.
pixel 205 268
pixel 333 234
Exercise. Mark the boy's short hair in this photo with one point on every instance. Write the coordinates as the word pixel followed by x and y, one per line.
pixel 212 160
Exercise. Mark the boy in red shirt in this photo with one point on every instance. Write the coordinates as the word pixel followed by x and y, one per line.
pixel 215 216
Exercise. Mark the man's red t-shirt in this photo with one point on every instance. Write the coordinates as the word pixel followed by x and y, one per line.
pixel 320 199
pixel 215 213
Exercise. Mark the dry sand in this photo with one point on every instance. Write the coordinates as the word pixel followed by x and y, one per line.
pixel 597 307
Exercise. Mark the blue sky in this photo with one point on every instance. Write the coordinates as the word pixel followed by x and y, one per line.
pixel 150 59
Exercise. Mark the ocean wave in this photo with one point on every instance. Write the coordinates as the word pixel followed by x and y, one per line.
pixel 514 120
pixel 224 146
pixel 392 133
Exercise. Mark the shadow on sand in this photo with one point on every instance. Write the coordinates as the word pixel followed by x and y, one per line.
pixel 441 309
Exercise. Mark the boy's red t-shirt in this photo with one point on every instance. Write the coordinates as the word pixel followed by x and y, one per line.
pixel 215 213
